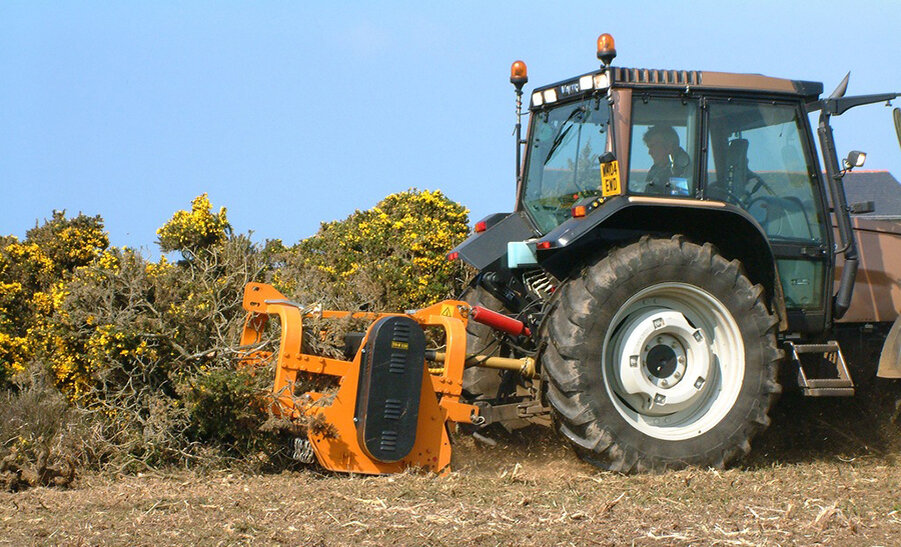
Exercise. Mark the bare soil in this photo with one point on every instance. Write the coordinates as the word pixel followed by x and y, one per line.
pixel 530 488
pixel 827 472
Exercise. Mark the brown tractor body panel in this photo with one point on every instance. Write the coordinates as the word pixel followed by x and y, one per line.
pixel 877 287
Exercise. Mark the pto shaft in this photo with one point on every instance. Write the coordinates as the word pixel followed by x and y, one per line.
pixel 525 366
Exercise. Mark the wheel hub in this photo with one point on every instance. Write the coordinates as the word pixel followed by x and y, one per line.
pixel 658 349
pixel 661 361
pixel 664 360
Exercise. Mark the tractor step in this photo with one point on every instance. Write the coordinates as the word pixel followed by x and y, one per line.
pixel 822 371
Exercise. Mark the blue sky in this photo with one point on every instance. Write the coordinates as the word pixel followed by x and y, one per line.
pixel 293 113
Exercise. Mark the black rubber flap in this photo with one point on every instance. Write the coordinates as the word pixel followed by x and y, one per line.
pixel 390 383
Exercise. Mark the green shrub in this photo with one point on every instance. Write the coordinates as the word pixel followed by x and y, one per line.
pixel 224 408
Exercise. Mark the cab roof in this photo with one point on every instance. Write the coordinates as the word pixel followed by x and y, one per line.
pixel 692 79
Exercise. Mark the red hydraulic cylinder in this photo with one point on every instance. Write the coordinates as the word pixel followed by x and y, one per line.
pixel 499 321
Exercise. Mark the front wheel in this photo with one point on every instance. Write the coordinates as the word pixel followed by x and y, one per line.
pixel 660 355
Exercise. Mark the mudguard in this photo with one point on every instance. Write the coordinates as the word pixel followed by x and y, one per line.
pixel 623 218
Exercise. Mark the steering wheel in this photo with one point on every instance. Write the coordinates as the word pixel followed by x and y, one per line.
pixel 760 184
pixel 745 201
pixel 722 192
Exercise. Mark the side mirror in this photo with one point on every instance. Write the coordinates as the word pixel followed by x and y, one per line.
pixel 862 208
pixel 855 159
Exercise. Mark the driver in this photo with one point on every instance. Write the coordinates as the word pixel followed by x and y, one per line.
pixel 670 160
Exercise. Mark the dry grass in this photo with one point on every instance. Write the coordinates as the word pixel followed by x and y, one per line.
pixel 825 473
pixel 528 489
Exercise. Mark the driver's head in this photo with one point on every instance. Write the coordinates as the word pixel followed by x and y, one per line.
pixel 661 140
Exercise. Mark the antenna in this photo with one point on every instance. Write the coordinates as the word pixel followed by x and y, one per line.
pixel 842 87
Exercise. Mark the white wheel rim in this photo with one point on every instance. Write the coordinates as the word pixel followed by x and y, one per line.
pixel 673 361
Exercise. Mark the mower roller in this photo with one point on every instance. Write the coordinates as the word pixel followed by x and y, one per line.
pixel 392 409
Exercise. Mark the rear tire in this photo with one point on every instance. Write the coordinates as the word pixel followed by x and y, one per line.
pixel 481 383
pixel 661 355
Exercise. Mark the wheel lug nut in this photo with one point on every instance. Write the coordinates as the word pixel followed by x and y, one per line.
pixel 681 359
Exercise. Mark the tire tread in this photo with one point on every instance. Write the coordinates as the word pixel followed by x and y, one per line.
pixel 569 378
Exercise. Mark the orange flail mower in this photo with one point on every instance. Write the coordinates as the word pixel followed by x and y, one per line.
pixel 391 411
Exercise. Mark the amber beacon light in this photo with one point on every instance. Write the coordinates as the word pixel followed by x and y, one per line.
pixel 606 49
pixel 519 74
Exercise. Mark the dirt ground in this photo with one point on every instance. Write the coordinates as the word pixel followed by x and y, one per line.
pixel 819 485
pixel 826 472
pixel 539 498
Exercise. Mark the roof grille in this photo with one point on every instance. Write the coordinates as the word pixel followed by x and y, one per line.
pixel 657 76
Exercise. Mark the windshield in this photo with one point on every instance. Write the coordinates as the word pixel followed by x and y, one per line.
pixel 562 164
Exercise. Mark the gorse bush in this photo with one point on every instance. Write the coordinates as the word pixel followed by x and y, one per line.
pixel 189 232
pixel 139 357
pixel 31 274
pixel 390 257
pixel 41 438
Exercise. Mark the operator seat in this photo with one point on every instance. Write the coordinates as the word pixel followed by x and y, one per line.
pixel 737 166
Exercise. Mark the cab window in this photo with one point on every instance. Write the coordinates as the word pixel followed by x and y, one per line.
pixel 565 143
pixel 663 147
pixel 757 162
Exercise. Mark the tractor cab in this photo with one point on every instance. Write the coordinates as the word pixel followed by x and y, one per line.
pixel 754 151
pixel 724 158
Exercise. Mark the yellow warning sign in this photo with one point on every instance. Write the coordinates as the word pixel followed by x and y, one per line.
pixel 447 311
pixel 610 185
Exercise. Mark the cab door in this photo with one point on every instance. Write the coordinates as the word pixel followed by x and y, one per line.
pixel 759 156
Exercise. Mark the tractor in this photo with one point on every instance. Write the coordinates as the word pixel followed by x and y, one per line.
pixel 675 242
